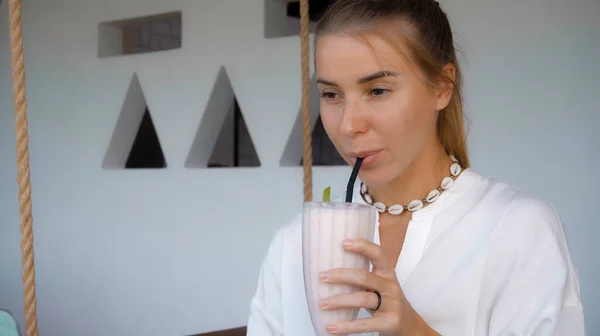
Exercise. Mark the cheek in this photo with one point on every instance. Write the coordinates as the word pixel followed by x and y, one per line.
pixel 331 123
pixel 419 109
pixel 408 120
pixel 403 118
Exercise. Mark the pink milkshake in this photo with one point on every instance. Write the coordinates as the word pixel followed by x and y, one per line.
pixel 325 225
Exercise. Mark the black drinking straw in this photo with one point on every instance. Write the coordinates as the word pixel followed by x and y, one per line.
pixel 350 187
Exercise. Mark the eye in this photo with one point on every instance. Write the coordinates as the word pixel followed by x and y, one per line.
pixel 378 91
pixel 328 95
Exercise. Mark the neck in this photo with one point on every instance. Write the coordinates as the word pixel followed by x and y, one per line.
pixel 421 176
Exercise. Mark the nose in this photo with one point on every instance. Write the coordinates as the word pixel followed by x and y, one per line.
pixel 354 121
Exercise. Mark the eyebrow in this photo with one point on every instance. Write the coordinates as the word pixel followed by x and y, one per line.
pixel 365 79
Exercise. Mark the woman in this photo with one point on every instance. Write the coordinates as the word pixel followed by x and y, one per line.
pixel 477 256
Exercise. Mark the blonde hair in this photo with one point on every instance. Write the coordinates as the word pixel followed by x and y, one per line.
pixel 430 48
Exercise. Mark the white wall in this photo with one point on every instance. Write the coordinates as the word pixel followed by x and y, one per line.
pixel 161 252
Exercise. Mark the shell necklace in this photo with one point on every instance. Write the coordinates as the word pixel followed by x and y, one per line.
pixel 417 204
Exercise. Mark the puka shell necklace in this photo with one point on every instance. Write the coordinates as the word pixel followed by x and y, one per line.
pixel 417 204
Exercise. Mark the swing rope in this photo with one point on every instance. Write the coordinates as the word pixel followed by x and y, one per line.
pixel 20 101
pixel 306 115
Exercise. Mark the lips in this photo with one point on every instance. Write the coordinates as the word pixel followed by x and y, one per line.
pixel 369 157
pixel 364 154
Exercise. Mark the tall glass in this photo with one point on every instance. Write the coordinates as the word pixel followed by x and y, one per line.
pixel 325 225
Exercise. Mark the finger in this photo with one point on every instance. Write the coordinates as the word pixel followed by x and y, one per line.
pixel 361 326
pixel 360 299
pixel 373 252
pixel 355 277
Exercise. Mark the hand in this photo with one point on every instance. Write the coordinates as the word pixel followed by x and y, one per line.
pixel 394 317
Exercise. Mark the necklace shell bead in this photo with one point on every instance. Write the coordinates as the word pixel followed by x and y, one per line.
pixel 417 204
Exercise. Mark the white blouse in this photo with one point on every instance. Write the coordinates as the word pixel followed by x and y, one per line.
pixel 484 259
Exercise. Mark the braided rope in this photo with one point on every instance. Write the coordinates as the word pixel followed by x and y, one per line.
pixel 306 115
pixel 19 96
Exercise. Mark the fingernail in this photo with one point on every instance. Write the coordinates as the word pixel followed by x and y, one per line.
pixel 323 303
pixel 331 327
pixel 347 243
pixel 323 276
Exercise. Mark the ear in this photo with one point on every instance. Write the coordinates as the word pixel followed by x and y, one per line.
pixel 445 86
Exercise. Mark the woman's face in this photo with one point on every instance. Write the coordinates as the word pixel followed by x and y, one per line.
pixel 375 105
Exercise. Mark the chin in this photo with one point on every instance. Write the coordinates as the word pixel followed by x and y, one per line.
pixel 375 176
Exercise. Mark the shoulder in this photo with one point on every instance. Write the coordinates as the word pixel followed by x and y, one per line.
pixel 513 207
pixel 523 227
pixel 529 239
pixel 519 210
pixel 530 214
pixel 531 230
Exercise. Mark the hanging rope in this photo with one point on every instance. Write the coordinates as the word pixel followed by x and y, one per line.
pixel 19 96
pixel 306 115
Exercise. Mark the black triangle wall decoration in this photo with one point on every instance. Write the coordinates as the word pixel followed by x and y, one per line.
pixel 134 143
pixel 241 151
pixel 146 151
pixel 232 145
